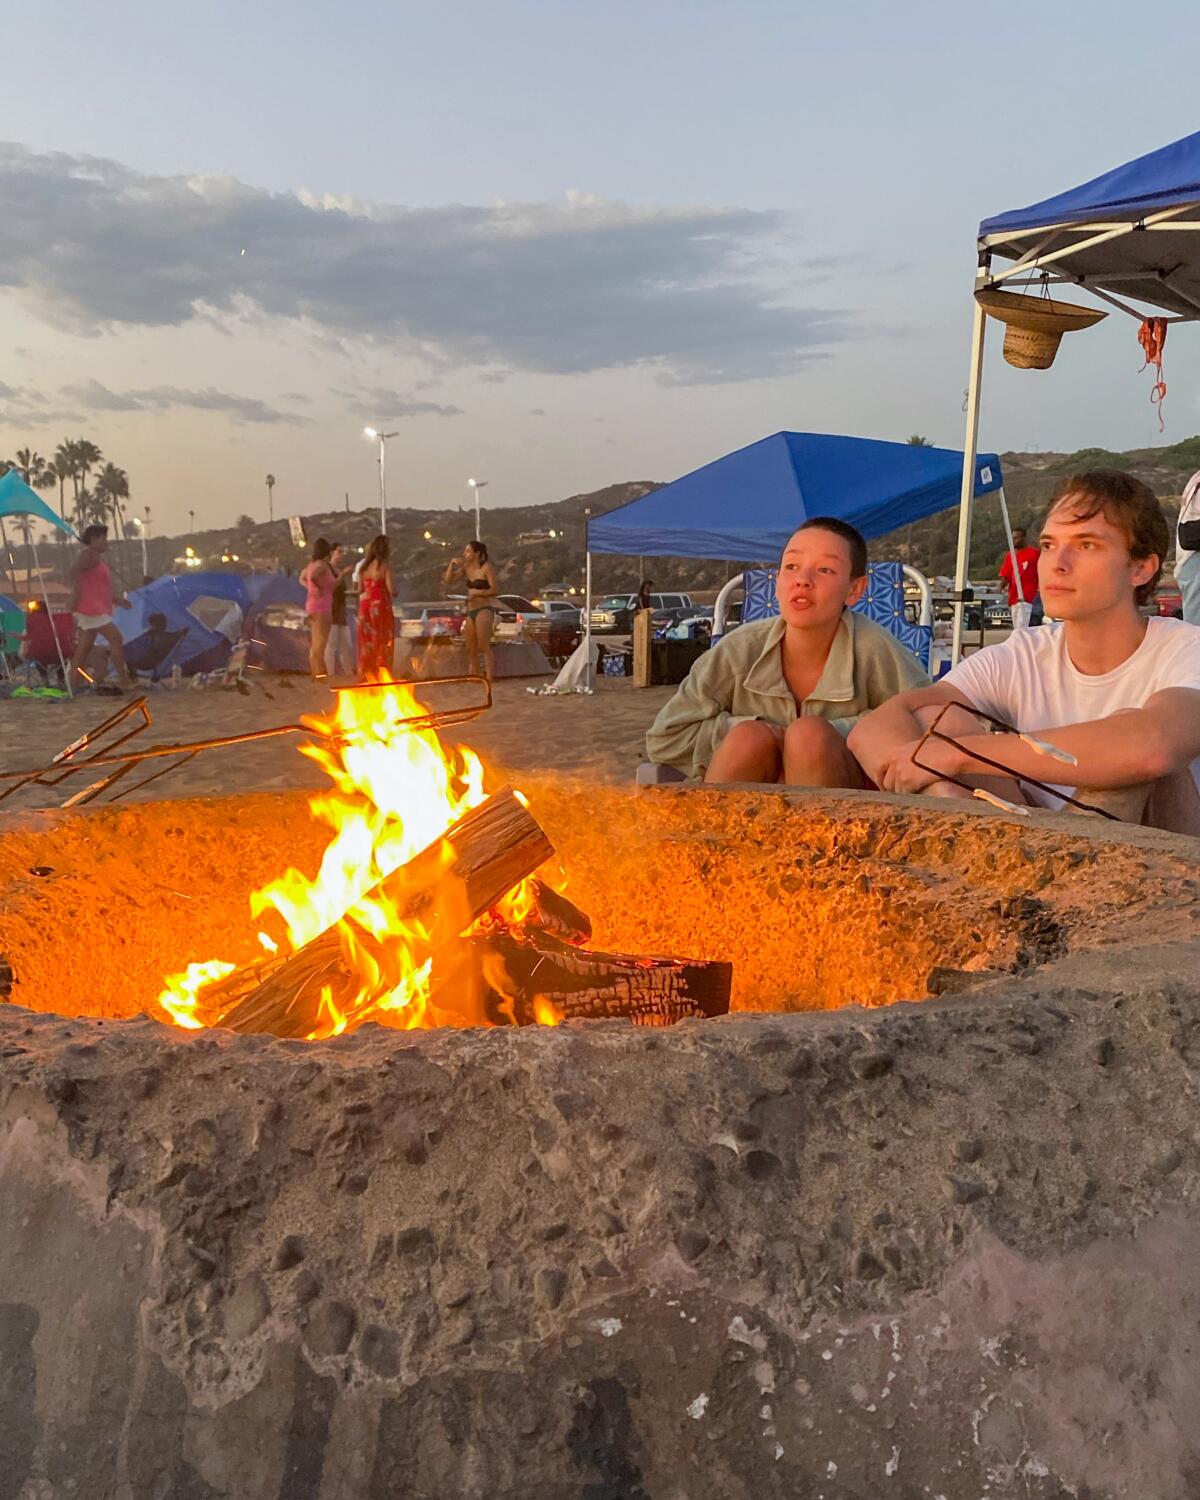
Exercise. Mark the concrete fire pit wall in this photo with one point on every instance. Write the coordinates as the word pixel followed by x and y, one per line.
pixel 941 1249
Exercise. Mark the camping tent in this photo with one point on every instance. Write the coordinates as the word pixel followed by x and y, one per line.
pixel 1126 237
pixel 19 500
pixel 200 648
pixel 745 506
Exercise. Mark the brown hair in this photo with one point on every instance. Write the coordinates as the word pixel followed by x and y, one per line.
pixel 1129 505
pixel 379 551
pixel 851 535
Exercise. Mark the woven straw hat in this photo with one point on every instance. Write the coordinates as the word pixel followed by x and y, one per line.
pixel 1034 325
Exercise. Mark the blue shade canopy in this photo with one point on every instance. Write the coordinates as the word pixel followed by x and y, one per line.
pixel 17 499
pixel 1159 264
pixel 745 506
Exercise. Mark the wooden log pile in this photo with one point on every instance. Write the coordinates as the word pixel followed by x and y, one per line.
pixel 481 972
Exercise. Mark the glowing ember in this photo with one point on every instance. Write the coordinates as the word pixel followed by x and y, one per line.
pixel 396 792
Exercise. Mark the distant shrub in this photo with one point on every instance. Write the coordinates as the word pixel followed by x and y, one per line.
pixel 1094 458
pixel 1184 455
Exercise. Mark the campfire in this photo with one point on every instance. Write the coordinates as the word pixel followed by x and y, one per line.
pixel 433 906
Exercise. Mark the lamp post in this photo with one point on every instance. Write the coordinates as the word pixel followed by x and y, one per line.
pixel 270 497
pixel 477 485
pixel 141 527
pixel 383 437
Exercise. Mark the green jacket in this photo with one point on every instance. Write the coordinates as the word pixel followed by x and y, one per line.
pixel 742 678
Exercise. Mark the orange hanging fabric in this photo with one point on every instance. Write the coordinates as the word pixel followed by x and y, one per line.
pixel 1152 336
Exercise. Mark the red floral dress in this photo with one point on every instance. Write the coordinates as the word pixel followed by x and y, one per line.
pixel 376 628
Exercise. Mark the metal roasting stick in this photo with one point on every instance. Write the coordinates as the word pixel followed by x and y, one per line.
pixel 69 761
pixel 933 733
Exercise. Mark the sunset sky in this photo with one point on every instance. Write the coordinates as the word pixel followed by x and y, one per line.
pixel 556 246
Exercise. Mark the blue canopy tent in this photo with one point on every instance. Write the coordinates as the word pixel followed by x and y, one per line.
pixel 19 500
pixel 747 504
pixel 1127 237
pixel 201 648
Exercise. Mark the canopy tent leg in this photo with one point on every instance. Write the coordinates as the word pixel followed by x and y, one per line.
pixel 587 619
pixel 967 496
pixel 1012 547
pixel 66 671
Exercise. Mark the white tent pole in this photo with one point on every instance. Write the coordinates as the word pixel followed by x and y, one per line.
pixel 587 618
pixel 967 496
pixel 1012 547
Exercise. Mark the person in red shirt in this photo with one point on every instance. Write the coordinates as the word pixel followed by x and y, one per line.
pixel 1023 585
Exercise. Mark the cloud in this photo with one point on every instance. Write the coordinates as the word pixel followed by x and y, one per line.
pixel 582 284
pixel 93 396
pixel 536 411
pixel 379 404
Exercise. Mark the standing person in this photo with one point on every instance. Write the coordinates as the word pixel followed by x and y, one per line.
pixel 643 595
pixel 319 578
pixel 1023 584
pixel 339 657
pixel 93 604
pixel 1117 692
pixel 482 589
pixel 376 616
pixel 1187 551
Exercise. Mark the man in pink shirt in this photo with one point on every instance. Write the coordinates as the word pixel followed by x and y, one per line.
pixel 1023 583
pixel 92 580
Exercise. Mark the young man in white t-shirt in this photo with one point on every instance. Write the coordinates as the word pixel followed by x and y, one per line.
pixel 1119 692
pixel 1187 551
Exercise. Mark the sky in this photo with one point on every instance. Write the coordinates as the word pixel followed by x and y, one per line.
pixel 554 246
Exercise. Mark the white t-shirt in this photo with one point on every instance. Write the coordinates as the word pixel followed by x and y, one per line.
pixel 1030 682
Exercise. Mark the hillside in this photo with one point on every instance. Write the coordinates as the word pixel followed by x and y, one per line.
pixel 424 539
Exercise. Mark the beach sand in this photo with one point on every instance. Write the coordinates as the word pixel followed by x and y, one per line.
pixel 600 737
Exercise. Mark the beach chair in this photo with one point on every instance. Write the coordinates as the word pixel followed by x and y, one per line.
pixel 884 602
pixel 12 638
pixel 42 631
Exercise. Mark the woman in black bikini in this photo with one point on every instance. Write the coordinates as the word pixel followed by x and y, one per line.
pixel 482 588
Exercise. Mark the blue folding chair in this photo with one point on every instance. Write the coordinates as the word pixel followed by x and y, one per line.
pixel 884 602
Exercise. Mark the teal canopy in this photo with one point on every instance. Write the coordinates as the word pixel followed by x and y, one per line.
pixel 17 499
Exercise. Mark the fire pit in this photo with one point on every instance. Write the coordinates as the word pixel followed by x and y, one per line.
pixel 928 1248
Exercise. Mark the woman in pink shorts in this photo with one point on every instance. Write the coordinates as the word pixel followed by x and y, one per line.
pixel 93 606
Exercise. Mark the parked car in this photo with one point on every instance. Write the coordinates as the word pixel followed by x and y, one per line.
pixel 430 617
pixel 562 609
pixel 614 614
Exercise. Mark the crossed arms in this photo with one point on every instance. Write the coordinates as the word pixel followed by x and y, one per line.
pixel 1125 749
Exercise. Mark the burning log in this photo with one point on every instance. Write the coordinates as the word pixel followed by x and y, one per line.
pixel 521 978
pixel 554 915
pixel 445 889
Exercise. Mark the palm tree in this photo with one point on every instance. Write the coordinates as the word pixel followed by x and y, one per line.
pixel 91 509
pixel 87 456
pixel 270 497
pixel 917 441
pixel 112 486
pixel 35 471
pixel 65 467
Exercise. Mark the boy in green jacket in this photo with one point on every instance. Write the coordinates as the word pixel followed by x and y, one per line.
pixel 775 700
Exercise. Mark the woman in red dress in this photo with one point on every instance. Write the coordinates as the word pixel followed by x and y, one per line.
pixel 376 618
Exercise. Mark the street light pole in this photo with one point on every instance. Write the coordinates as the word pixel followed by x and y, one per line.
pixel 477 485
pixel 383 437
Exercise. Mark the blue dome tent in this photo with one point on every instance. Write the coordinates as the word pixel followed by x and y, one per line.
pixel 200 648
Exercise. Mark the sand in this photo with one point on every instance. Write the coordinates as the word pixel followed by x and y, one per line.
pixel 601 737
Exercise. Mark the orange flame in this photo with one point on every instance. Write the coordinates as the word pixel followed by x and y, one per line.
pixel 396 791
